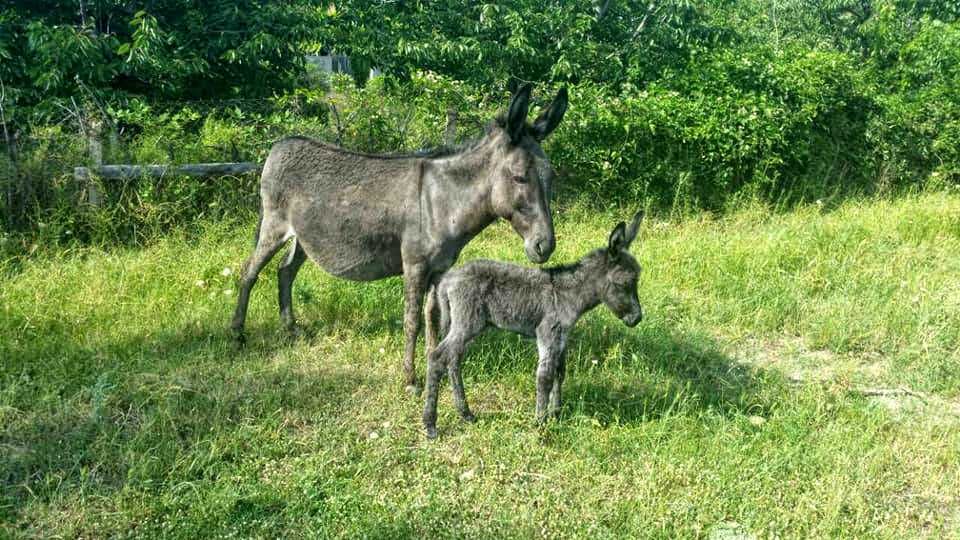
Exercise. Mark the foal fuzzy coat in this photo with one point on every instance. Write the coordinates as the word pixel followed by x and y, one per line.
pixel 542 303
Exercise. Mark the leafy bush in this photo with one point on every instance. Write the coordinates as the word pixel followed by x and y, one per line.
pixel 684 105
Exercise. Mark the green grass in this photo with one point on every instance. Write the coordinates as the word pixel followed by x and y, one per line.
pixel 741 405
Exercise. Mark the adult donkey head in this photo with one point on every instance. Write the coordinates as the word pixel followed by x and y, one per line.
pixel 522 179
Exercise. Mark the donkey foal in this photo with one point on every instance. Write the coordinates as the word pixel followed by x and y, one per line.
pixel 541 303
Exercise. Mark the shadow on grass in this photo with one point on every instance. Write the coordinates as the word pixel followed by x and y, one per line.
pixel 139 412
pixel 621 375
pixel 658 373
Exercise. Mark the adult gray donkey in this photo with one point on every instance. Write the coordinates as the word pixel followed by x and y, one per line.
pixel 365 217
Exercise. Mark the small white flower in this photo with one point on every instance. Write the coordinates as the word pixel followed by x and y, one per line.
pixel 373 436
pixel 382 350
pixel 468 475
pixel 200 283
pixel 226 272
pixel 596 362
pixel 757 420
pixel 227 292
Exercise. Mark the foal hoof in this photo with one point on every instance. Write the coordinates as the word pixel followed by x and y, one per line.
pixel 239 337
pixel 469 417
pixel 431 432
pixel 413 390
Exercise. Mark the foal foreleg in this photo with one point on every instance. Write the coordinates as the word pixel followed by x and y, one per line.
pixel 561 373
pixel 550 349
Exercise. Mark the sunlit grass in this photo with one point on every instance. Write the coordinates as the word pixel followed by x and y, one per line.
pixel 741 405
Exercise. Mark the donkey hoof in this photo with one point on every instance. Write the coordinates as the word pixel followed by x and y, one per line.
pixel 239 337
pixel 431 432
pixel 414 390
pixel 469 417
pixel 294 332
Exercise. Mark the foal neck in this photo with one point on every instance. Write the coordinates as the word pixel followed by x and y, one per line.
pixel 578 286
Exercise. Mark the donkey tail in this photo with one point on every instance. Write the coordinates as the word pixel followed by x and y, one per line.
pixel 256 232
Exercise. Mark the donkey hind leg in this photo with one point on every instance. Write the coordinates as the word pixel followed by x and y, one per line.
pixel 273 233
pixel 286 273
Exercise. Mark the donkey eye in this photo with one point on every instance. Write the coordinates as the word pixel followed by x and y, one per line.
pixel 520 179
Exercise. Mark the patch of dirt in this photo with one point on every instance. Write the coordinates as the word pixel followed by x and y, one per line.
pixel 730 530
pixel 791 357
pixel 904 406
pixel 860 374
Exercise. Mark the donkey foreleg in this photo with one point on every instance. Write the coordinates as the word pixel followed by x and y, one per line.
pixel 414 287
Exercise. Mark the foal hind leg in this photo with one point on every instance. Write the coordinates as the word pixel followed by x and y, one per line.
pixel 456 384
pixel 285 276
pixel 273 233
pixel 436 364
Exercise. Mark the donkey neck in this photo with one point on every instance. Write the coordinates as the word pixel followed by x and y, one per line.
pixel 457 189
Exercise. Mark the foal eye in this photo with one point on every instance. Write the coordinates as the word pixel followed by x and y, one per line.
pixel 520 179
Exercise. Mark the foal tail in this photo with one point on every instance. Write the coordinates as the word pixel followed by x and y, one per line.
pixel 442 301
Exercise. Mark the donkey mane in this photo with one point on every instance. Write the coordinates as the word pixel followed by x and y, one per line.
pixel 429 153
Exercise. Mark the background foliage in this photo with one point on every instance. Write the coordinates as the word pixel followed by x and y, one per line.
pixel 684 104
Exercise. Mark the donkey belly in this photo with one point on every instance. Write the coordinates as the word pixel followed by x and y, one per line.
pixel 350 246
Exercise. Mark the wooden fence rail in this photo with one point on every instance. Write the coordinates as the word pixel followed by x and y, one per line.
pixel 113 172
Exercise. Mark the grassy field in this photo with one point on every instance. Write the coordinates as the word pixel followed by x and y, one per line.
pixel 796 375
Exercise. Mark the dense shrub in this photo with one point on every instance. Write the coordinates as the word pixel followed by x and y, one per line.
pixel 681 104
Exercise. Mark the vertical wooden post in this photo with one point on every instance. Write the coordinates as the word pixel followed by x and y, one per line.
pixel 450 134
pixel 12 183
pixel 95 147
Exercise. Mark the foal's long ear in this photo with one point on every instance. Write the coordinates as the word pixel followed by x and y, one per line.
pixel 617 241
pixel 517 113
pixel 633 228
pixel 551 116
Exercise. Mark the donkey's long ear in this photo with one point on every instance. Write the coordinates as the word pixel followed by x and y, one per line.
pixel 617 241
pixel 633 228
pixel 517 114
pixel 551 116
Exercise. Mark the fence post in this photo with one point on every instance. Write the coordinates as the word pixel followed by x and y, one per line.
pixel 95 146
pixel 12 185
pixel 450 134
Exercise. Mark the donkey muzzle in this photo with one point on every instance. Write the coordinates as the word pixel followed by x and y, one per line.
pixel 539 249
pixel 633 319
